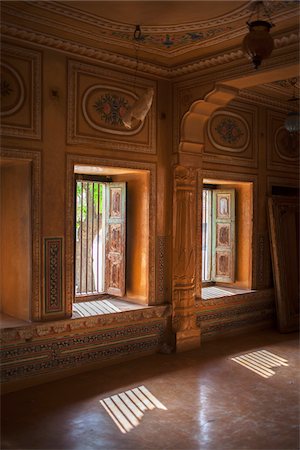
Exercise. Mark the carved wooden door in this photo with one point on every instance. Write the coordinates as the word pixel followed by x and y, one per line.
pixel 284 238
pixel 115 238
pixel 223 235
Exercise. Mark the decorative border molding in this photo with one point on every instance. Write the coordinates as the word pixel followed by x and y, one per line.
pixel 234 55
pixel 47 355
pixel 73 137
pixel 220 315
pixel 183 36
pixel 34 132
pixel 52 329
pixel 72 47
pixel 161 251
pixel 53 275
pixel 35 158
pixel 50 41
pixel 260 99
pixel 73 160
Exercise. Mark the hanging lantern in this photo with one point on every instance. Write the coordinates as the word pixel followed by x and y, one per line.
pixel 292 122
pixel 258 43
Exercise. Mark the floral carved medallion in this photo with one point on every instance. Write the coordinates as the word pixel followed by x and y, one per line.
pixel 287 144
pixel 104 106
pixel 12 90
pixel 229 132
pixel 111 108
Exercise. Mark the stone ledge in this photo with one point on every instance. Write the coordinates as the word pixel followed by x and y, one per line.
pixel 40 330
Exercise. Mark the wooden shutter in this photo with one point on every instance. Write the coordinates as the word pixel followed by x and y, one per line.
pixel 115 238
pixel 223 235
pixel 284 239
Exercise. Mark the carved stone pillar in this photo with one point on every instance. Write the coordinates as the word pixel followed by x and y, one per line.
pixel 184 259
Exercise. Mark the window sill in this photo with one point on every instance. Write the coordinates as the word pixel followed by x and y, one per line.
pixel 212 292
pixel 108 305
pixel 14 330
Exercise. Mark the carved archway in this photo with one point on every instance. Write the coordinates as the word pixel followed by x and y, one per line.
pixel 189 161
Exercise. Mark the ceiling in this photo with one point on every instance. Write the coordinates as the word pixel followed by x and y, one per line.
pixel 172 32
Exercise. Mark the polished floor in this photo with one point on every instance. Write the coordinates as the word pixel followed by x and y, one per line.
pixel 212 398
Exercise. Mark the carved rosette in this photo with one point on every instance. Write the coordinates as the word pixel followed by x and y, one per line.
pixel 184 256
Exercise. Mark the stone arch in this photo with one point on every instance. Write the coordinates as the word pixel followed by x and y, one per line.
pixel 188 161
pixel 194 120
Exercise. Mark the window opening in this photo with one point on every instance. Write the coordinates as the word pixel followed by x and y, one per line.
pixel 100 237
pixel 218 235
pixel 89 273
pixel 206 235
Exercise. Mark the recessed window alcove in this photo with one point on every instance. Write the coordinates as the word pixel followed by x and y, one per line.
pixel 19 235
pixel 139 282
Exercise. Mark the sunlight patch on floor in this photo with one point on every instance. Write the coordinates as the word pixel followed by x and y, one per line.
pixel 261 362
pixel 94 308
pixel 127 408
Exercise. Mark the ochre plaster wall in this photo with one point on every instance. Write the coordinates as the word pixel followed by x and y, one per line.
pixel 158 146
pixel 15 239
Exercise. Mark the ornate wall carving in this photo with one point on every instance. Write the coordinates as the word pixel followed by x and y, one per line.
pixel 97 101
pixel 229 139
pixel 231 314
pixel 228 131
pixel 184 225
pixel 82 347
pixel 282 147
pixel 20 109
pixel 53 277
pixel 162 250
pixel 184 257
pixel 287 145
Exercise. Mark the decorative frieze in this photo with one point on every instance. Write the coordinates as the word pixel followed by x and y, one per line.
pixel 220 315
pixel 96 54
pixel 54 329
pixel 45 356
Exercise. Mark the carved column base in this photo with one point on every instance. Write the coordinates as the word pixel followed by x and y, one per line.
pixel 187 339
